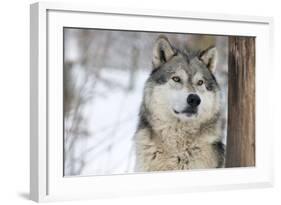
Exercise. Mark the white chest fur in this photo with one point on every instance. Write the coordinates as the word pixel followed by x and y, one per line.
pixel 173 148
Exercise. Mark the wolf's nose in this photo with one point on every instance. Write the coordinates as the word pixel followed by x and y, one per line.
pixel 193 100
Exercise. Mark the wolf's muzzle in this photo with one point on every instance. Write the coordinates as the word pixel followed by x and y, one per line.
pixel 193 100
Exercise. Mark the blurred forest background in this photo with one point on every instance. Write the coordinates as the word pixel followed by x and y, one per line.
pixel 104 75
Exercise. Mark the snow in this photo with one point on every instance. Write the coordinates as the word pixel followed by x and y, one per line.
pixel 112 120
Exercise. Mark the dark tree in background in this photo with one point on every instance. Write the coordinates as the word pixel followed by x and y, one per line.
pixel 241 102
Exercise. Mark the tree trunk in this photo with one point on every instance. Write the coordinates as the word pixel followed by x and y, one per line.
pixel 240 150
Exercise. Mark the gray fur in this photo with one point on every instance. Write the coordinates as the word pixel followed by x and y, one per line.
pixel 167 138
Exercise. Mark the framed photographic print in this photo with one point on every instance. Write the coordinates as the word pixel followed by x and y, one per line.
pixel 128 102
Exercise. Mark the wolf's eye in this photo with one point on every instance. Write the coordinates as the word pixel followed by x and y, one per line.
pixel 209 87
pixel 200 82
pixel 176 79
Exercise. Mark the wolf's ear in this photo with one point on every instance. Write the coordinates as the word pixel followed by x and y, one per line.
pixel 209 58
pixel 162 51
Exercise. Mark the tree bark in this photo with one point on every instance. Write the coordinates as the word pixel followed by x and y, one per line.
pixel 240 149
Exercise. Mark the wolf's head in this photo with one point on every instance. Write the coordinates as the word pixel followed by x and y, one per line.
pixel 182 85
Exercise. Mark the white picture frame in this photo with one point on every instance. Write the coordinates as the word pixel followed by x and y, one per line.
pixel 46 139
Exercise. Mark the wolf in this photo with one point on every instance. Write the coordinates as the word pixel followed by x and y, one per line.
pixel 180 116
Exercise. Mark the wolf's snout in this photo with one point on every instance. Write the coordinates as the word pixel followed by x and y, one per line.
pixel 193 100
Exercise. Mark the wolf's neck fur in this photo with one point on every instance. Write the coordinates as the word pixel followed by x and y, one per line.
pixel 174 131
